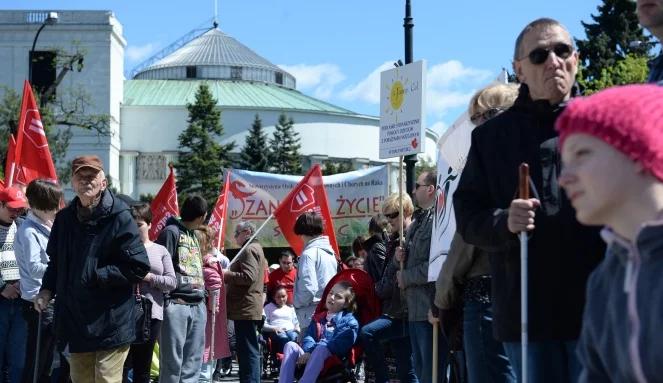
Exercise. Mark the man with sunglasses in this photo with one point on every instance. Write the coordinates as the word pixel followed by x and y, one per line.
pixel 489 215
pixel 13 328
pixel 650 15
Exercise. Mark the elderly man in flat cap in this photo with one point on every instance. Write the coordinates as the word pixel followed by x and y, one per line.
pixel 96 256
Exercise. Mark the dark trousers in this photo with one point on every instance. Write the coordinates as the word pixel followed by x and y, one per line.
pixel 46 345
pixel 248 353
pixel 395 331
pixel 140 356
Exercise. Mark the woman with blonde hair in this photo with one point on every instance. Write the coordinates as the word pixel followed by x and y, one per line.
pixel 464 281
pixel 392 325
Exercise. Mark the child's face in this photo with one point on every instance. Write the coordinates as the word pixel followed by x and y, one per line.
pixel 358 264
pixel 336 299
pixel 597 178
pixel 280 297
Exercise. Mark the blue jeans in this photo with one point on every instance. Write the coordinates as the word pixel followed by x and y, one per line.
pixel 248 352
pixel 388 329
pixel 485 357
pixel 421 341
pixel 547 362
pixel 13 333
pixel 279 340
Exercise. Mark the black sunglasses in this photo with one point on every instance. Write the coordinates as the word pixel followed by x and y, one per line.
pixel 540 55
pixel 481 117
pixel 418 185
pixel 392 215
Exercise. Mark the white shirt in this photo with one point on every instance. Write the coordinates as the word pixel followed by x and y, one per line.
pixel 280 317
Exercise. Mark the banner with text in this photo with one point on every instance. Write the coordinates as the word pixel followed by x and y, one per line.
pixel 354 197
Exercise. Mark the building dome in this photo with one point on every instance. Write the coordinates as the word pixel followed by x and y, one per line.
pixel 214 55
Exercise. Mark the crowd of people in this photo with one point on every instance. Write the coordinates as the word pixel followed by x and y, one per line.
pixel 71 278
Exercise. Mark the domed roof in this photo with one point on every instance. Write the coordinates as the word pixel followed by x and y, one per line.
pixel 215 55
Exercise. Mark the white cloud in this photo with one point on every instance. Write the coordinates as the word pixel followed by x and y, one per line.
pixel 452 72
pixel 321 79
pixel 368 89
pixel 438 127
pixel 138 53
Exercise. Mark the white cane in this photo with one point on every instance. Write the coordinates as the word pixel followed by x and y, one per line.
pixel 523 186
pixel 215 295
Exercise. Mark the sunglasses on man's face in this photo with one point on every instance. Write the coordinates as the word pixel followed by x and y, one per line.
pixel 540 55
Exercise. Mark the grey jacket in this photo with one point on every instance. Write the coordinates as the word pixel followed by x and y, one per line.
pixel 621 335
pixel 418 291
pixel 30 250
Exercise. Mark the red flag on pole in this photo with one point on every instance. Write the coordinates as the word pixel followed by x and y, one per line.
pixel 32 157
pixel 308 195
pixel 164 205
pixel 217 220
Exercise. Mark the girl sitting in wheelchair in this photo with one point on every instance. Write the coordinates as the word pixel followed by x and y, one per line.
pixel 281 324
pixel 331 332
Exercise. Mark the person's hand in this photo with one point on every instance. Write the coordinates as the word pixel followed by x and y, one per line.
pixel 148 277
pixel 42 299
pixel 10 291
pixel 432 319
pixel 521 215
pixel 399 279
pixel 303 358
pixel 399 254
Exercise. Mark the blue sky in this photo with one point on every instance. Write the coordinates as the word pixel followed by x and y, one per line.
pixel 336 48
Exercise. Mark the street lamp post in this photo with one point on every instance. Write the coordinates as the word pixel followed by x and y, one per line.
pixel 51 19
pixel 410 160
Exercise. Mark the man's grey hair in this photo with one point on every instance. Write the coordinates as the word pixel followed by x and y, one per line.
pixel 541 23
pixel 245 225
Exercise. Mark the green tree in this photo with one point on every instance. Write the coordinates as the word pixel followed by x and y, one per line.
pixel 284 155
pixel 335 167
pixel 630 70
pixel 613 36
pixel 254 155
pixel 201 157
pixel 59 116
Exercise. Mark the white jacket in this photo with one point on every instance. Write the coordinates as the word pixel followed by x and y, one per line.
pixel 316 266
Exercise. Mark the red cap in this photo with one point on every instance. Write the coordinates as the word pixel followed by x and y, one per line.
pixel 13 198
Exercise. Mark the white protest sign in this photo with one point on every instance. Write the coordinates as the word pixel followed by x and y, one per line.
pixel 402 117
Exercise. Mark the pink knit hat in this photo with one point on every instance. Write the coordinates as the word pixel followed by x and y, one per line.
pixel 628 118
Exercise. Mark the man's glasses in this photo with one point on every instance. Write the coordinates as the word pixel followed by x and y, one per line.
pixel 418 185
pixel 540 55
pixel 393 215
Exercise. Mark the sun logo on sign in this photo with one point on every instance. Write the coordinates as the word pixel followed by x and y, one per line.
pixel 396 92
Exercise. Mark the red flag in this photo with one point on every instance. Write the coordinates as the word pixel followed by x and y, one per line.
pixel 308 195
pixel 32 157
pixel 164 206
pixel 217 220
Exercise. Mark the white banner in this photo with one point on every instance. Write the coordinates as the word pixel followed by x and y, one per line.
pixel 354 197
pixel 444 225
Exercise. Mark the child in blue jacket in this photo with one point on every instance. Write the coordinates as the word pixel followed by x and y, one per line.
pixel 331 332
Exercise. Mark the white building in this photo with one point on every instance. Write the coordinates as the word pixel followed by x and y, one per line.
pixel 148 112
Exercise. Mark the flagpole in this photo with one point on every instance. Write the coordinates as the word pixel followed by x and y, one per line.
pixel 12 169
pixel 248 242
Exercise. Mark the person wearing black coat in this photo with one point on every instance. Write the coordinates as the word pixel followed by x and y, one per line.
pixel 562 252
pixel 96 256
pixel 376 246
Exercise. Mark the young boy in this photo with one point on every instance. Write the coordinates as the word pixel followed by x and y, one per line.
pixel 612 150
